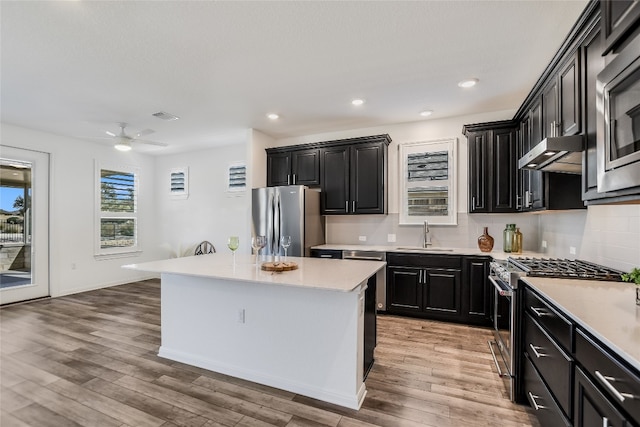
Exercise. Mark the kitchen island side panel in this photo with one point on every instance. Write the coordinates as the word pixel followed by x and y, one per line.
pixel 307 341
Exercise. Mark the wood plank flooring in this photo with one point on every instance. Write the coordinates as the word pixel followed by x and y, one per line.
pixel 90 360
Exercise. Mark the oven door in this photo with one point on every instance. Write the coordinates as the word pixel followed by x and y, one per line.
pixel 503 322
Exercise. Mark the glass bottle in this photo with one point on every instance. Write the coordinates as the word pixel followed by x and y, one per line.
pixel 517 241
pixel 508 233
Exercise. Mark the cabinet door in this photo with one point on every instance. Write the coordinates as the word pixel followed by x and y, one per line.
pixel 478 173
pixel 619 17
pixel 367 179
pixel 476 291
pixel 535 194
pixel 504 165
pixel 305 167
pixel 404 290
pixel 334 178
pixel 442 292
pixel 569 94
pixel 592 64
pixel 523 174
pixel 278 169
pixel 550 110
pixel 592 408
pixel 535 116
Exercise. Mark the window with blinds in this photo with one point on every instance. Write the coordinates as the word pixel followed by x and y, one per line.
pixel 427 182
pixel 237 177
pixel 118 211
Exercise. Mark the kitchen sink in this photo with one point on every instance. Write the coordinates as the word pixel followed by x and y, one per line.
pixel 415 248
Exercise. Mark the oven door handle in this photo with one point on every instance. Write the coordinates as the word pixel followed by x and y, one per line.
pixel 503 290
pixel 495 359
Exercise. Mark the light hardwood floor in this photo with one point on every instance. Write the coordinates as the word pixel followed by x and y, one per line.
pixel 90 359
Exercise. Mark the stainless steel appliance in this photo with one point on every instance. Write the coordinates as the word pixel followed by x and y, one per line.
pixel 618 125
pixel 381 275
pixel 292 210
pixel 507 304
pixel 555 154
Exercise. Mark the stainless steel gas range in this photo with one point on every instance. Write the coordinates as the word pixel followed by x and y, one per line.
pixel 504 276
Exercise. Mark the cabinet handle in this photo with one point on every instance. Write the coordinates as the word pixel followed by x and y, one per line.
pixel 294 179
pixel 606 381
pixel 605 422
pixel 353 206
pixel 535 349
pixel 473 202
pixel 288 179
pixel 346 206
pixel 538 311
pixel 326 256
pixel 535 404
pixel 552 131
pixel 527 203
pixel 518 205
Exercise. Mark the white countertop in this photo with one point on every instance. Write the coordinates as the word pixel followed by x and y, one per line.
pixel 330 274
pixel 607 310
pixel 431 251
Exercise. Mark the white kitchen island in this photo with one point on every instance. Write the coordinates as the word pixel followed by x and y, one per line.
pixel 299 330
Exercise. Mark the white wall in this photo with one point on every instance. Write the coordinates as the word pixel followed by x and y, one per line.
pixel 72 209
pixel 210 212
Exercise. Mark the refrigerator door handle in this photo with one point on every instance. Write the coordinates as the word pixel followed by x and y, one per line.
pixel 277 224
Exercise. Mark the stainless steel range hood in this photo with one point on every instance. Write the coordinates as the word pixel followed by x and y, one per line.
pixel 555 154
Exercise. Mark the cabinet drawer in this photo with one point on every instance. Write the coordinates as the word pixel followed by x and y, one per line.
pixel 422 260
pixel 616 381
pixel 554 365
pixel 539 397
pixel 558 326
pixel 592 407
pixel 326 253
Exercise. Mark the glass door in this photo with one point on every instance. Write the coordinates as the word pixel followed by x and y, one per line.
pixel 24 225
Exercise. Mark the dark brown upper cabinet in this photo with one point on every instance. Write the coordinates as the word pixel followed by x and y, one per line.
pixel 492 166
pixel 561 115
pixel 354 178
pixel 287 166
pixel 619 20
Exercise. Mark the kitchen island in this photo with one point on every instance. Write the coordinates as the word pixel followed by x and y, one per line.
pixel 299 330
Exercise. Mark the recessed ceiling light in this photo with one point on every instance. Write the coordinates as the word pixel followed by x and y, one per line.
pixel 426 113
pixel 273 116
pixel 357 101
pixel 468 83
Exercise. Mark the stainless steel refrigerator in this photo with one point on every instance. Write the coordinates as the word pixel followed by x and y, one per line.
pixel 292 210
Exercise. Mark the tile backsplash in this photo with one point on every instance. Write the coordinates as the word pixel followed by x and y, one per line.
pixel 347 229
pixel 608 235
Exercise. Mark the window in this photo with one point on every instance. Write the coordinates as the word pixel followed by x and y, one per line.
pixel 117 223
pixel 179 185
pixel 427 181
pixel 237 177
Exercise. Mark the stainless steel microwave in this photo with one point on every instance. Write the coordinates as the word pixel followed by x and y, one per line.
pixel 618 127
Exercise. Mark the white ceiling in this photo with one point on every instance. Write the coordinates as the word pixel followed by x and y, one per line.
pixel 75 68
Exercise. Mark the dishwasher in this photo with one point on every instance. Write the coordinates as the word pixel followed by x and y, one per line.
pixel 381 275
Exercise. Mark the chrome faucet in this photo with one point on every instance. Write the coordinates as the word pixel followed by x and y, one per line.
pixel 427 239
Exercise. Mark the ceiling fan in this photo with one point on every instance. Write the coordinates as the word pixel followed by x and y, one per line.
pixel 123 141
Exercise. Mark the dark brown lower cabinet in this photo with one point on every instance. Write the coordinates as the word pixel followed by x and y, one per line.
pixel 545 407
pixel 592 408
pixel 439 287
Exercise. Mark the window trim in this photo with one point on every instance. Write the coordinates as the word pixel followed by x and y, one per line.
pixel 111 253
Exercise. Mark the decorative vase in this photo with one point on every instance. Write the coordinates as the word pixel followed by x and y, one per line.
pixel 508 234
pixel 485 242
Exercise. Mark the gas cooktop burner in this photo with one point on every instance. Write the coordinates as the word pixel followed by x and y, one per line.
pixel 565 269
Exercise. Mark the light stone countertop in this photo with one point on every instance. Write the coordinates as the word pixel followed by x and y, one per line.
pixel 606 309
pixel 329 274
pixel 431 251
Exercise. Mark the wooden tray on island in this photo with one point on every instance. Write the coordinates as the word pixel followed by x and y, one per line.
pixel 279 266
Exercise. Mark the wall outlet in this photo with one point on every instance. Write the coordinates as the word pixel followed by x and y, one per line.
pixel 362 238
pixel 572 250
pixel 241 315
pixel 544 244
pixel 391 238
